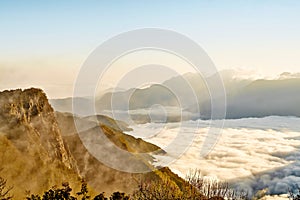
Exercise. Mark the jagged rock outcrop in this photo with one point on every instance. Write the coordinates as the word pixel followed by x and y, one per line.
pixel 30 109
pixel 29 133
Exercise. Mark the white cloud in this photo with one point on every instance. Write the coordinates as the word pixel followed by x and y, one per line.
pixel 258 153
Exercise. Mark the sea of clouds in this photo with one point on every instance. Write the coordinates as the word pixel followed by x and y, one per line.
pixel 251 153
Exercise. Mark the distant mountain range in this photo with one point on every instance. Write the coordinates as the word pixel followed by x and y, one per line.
pixel 245 97
pixel 266 97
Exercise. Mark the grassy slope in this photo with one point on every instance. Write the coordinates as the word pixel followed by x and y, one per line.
pixel 32 157
pixel 101 177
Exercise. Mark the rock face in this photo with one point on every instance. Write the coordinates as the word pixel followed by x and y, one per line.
pixel 30 109
pixel 30 132
pixel 40 148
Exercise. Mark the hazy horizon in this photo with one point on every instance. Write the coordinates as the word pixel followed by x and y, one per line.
pixel 45 43
pixel 66 89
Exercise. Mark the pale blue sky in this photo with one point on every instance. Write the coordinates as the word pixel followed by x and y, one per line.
pixel 50 36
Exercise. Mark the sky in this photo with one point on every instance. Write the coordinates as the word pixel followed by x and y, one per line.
pixel 44 43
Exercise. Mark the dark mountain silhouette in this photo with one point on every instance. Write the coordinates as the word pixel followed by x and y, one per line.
pixel 65 105
pixel 245 97
pixel 266 97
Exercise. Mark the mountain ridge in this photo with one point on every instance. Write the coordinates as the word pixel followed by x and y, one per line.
pixel 40 148
pixel 245 97
pixel 30 135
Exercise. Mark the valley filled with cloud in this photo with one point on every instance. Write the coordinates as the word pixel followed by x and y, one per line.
pixel 254 153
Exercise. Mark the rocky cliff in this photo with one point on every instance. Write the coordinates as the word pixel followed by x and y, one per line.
pixel 34 155
pixel 40 148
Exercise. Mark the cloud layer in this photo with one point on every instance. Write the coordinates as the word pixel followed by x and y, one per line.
pixel 256 153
